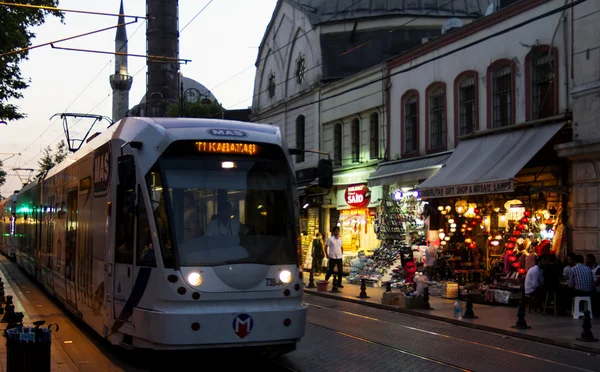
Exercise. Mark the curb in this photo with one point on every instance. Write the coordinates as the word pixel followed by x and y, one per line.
pixel 461 323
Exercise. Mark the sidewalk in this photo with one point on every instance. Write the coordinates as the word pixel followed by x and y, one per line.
pixel 59 359
pixel 548 329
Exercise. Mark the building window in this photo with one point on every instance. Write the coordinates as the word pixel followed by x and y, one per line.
pixel 374 136
pixel 300 69
pixel 436 111
pixel 467 99
pixel 337 145
pixel 271 86
pixel 300 138
pixel 541 77
pixel 411 122
pixel 355 141
pixel 502 93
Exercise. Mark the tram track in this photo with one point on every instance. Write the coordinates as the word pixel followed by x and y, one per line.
pixel 434 334
pixel 399 350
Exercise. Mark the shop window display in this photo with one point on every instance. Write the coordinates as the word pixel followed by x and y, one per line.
pixel 487 246
pixel 398 226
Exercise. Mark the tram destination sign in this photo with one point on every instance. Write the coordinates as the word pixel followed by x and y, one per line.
pixel 468 189
pixel 243 148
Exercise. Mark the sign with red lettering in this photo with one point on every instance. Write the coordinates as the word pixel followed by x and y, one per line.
pixel 357 196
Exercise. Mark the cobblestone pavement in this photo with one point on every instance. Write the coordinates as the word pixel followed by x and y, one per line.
pixel 362 338
pixel 340 336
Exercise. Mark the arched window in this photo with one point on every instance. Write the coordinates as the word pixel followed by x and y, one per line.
pixel 410 122
pixel 337 145
pixel 355 141
pixel 374 137
pixel 501 93
pixel 300 138
pixel 465 93
pixel 436 116
pixel 541 72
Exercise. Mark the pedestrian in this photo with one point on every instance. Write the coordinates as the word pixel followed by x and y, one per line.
pixel 335 254
pixel 318 253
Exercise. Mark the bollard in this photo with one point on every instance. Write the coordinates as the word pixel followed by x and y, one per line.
pixel 363 289
pixel 388 286
pixel 311 280
pixel 334 287
pixel 521 323
pixel 587 335
pixel 469 314
pixel 9 300
pixel 426 305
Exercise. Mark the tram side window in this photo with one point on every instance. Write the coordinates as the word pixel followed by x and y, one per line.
pixel 144 247
pixel 124 227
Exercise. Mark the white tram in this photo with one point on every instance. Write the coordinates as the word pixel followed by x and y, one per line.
pixel 7 226
pixel 169 233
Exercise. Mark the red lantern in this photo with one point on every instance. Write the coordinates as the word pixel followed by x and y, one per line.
pixel 472 245
pixel 522 271
pixel 516 233
pixel 476 211
pixel 521 226
pixel 474 223
pixel 512 258
pixel 510 252
pixel 510 245
pixel 524 220
pixel 527 214
pixel 516 265
pixel 512 239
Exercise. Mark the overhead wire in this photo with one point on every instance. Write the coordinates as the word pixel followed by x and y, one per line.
pixel 289 43
pixel 443 55
pixel 351 49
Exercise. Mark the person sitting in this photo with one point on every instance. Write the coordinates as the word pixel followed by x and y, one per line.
pixel 534 280
pixel 581 279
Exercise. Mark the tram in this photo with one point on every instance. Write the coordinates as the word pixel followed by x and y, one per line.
pixel 172 233
pixel 7 226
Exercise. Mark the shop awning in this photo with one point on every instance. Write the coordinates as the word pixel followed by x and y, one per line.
pixel 408 170
pixel 487 164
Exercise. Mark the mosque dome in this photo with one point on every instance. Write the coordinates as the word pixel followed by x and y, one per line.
pixel 193 91
pixel 323 11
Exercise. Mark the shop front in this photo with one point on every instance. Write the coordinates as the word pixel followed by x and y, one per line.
pixel 399 225
pixel 496 206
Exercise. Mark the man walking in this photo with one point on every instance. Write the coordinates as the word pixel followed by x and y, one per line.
pixel 334 255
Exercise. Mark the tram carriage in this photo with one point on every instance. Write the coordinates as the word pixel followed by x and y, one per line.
pixel 170 233
pixel 7 226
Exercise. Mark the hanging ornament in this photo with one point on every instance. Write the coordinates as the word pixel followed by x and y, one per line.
pixel 527 214
pixel 510 252
pixel 521 226
pixel 476 211
pixel 516 233
pixel 524 220
pixel 516 265
pixel 512 258
pixel 512 239
pixel 510 245
pixel 522 271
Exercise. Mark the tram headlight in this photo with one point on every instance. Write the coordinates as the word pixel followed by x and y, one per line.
pixel 194 279
pixel 285 276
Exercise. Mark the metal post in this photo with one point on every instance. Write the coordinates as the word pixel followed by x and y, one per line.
pixel 521 323
pixel 426 305
pixel 469 314
pixel 334 287
pixel 311 279
pixel 587 335
pixel 388 286
pixel 363 289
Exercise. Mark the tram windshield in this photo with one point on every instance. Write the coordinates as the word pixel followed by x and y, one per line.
pixel 224 209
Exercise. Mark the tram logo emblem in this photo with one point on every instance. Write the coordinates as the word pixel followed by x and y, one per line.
pixel 227 133
pixel 242 325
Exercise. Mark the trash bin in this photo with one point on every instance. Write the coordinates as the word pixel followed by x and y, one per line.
pixel 28 348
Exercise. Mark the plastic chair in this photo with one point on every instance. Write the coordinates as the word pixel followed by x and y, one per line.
pixel 587 305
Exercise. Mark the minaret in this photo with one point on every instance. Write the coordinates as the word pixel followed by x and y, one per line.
pixel 120 81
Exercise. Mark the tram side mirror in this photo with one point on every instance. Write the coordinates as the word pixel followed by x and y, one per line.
pixel 325 169
pixel 126 170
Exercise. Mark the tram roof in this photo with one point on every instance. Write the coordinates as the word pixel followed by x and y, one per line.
pixel 163 131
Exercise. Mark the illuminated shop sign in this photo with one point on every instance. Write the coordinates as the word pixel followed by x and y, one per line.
pixel 357 196
pixel 471 189
pixel 227 148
